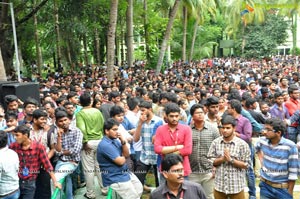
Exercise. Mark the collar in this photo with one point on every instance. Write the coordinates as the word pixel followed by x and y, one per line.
pixel 4 149
pixel 230 142
pixel 281 141
pixel 167 190
pixel 205 126
pixel 206 118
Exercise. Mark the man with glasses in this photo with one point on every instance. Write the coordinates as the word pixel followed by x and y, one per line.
pixel 204 134
pixel 279 160
pixel 176 186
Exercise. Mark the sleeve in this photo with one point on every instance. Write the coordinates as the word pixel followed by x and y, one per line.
pixel 287 115
pixel 257 146
pixel 188 143
pixel 78 143
pixel 44 159
pixel 200 192
pixel 158 140
pixel 293 163
pixel 247 129
pixel 81 125
pixel 211 152
pixel 157 124
pixel 256 126
pixel 245 153
pixel 110 152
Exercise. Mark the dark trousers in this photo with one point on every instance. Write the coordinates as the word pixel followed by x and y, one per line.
pixel 142 170
pixel 27 189
pixel 43 186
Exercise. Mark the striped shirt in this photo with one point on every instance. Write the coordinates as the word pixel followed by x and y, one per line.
pixel 230 179
pixel 148 156
pixel 71 141
pixel 202 140
pixel 280 162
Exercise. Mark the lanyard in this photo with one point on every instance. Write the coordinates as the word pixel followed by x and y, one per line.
pixel 172 137
pixel 37 136
pixel 181 195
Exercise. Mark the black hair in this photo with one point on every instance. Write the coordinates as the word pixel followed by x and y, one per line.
pixel 85 99
pixel 236 105
pixel 109 123
pixel 95 101
pixel 11 114
pixel 71 94
pixel 10 98
pixel 50 103
pixel 170 160
pixel 132 103
pixel 277 94
pixel 171 108
pixel 38 113
pixel 3 139
pixel 195 107
pixel 228 119
pixel 24 129
pixel 113 94
pixel 116 110
pixel 249 102
pixel 145 104
pixel 212 101
pixel 60 114
pixel 277 124
pixel 30 100
pixel 292 88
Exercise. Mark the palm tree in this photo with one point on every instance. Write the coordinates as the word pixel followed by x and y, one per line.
pixel 167 36
pixel 111 34
pixel 129 35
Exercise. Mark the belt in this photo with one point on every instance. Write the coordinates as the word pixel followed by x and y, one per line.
pixel 68 161
pixel 3 196
pixel 275 185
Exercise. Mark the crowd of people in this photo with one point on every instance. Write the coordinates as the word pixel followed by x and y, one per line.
pixel 197 127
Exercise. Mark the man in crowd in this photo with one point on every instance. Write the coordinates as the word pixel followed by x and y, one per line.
pixel 30 105
pixel 279 161
pixel 176 186
pixel 230 156
pixel 111 155
pixel 174 137
pixel 9 166
pixel 31 155
pixel 146 128
pixel 68 146
pixel 90 121
pixel 203 135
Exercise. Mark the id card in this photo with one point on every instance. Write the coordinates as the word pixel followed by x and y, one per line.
pixel 25 171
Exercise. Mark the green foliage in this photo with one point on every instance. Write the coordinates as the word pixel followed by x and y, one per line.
pixel 262 39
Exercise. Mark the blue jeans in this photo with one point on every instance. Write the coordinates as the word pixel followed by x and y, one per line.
pixel 27 189
pixel 13 196
pixel 250 175
pixel 268 192
pixel 63 169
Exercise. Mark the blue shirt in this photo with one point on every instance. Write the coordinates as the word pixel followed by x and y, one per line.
pixel 280 162
pixel 107 151
pixel 281 114
pixel 256 127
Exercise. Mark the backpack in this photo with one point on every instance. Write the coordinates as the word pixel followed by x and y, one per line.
pixel 55 157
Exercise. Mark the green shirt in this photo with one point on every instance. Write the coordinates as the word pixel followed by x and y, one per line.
pixel 90 121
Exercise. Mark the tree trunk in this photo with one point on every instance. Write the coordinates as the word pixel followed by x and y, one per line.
pixel 167 36
pixel 146 27
pixel 194 39
pixel 69 57
pixel 57 33
pixel 97 45
pixel 37 43
pixel 294 31
pixel 111 39
pixel 122 46
pixel 2 69
pixel 184 33
pixel 86 58
pixel 129 32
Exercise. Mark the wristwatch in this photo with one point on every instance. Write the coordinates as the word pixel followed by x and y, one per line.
pixel 231 160
pixel 123 143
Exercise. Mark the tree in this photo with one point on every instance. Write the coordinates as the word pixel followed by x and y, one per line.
pixel 2 69
pixel 111 39
pixel 262 39
pixel 167 36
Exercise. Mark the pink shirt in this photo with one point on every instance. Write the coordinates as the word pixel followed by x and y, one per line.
pixel 181 136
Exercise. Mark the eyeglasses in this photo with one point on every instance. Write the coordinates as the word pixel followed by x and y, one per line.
pixel 1 115
pixel 176 171
pixel 199 113
pixel 269 130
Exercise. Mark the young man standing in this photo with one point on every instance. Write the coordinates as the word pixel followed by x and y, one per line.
pixel 31 155
pixel 203 135
pixel 279 161
pixel 111 155
pixel 230 156
pixel 176 186
pixel 90 121
pixel 174 137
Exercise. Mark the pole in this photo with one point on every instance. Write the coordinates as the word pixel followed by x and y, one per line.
pixel 15 41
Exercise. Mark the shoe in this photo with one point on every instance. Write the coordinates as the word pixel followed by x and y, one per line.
pixel 86 196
